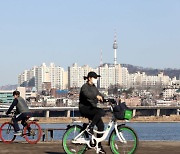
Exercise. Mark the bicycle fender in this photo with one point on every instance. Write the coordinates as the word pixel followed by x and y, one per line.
pixel 68 126
pixel 113 132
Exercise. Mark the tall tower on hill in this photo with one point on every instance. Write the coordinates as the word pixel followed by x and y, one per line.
pixel 101 60
pixel 115 46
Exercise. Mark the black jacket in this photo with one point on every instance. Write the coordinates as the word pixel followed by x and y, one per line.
pixel 88 95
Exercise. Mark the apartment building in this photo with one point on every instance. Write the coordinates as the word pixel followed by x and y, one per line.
pixel 55 75
pixel 125 77
pixel 141 79
pixel 6 96
pixel 76 75
pixel 110 75
pixel 58 77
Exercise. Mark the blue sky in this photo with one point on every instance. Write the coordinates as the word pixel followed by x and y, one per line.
pixel 68 31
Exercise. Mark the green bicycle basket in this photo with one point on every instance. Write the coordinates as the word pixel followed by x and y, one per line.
pixel 127 114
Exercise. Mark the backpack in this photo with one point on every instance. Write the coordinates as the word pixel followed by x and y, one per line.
pixel 122 112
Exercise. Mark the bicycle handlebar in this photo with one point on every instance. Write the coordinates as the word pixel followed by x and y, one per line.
pixel 110 100
pixel 11 114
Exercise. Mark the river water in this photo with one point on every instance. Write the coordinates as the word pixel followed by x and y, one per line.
pixel 145 131
pixel 153 131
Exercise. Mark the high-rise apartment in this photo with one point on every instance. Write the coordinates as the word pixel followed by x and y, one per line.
pixel 26 76
pixel 52 75
pixel 76 75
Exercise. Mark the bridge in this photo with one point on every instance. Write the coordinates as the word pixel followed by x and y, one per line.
pixel 137 110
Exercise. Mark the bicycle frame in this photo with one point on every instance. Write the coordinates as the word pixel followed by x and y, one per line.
pixel 9 128
pixel 79 140
pixel 121 137
pixel 30 126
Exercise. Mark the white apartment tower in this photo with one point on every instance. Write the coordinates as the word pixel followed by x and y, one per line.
pixel 111 75
pixel 141 79
pixel 58 77
pixel 52 74
pixel 125 77
pixel 55 75
pixel 42 76
pixel 76 75
pixel 27 75
pixel 22 77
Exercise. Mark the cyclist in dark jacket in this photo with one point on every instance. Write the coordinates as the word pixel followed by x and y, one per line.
pixel 22 111
pixel 89 97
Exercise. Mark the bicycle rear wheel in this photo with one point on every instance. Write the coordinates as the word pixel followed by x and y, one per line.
pixel 7 132
pixel 119 147
pixel 32 132
pixel 69 135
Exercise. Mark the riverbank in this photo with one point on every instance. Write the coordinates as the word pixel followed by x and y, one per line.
pixel 172 118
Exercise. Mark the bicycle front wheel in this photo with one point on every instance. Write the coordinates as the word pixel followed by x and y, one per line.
pixel 7 132
pixel 128 142
pixel 32 132
pixel 69 135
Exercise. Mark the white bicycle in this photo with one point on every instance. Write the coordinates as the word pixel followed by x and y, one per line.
pixel 122 139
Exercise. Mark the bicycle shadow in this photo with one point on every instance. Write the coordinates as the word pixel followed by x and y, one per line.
pixel 54 152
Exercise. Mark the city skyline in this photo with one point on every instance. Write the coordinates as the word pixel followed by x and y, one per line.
pixel 65 32
pixel 46 76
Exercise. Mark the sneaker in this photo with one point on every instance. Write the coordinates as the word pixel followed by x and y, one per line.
pixel 102 150
pixel 17 133
pixel 90 130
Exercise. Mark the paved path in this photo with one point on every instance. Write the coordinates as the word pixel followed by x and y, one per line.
pixel 145 147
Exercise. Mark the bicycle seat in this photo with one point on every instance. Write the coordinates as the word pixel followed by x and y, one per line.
pixel 32 119
pixel 27 117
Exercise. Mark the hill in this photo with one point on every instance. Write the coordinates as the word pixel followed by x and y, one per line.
pixel 151 71
pixel 8 87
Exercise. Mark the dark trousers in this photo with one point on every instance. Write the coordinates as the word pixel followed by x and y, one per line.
pixel 21 116
pixel 94 114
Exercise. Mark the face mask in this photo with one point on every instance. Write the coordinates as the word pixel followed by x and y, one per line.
pixel 94 81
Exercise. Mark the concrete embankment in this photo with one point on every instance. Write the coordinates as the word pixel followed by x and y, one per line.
pixel 145 147
pixel 172 118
